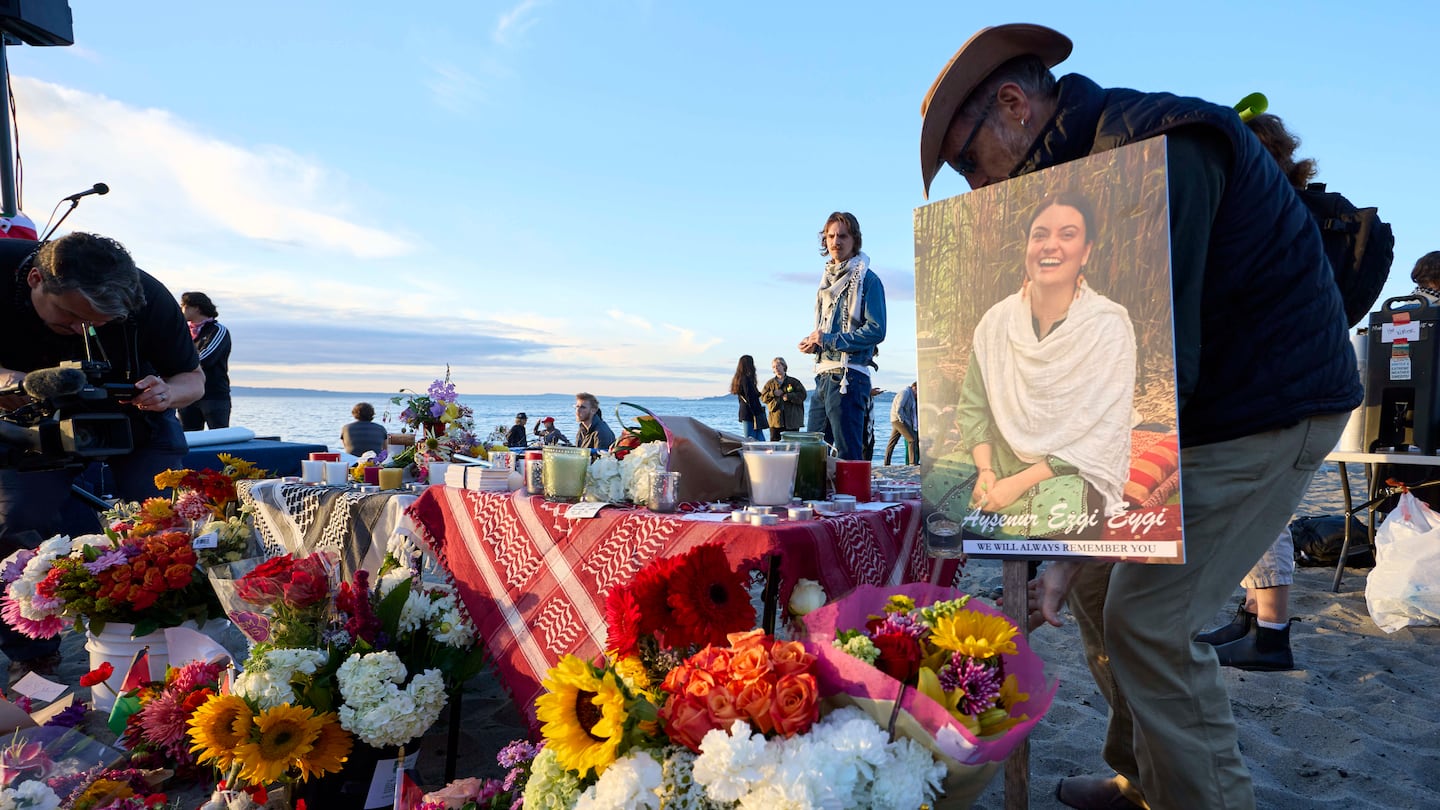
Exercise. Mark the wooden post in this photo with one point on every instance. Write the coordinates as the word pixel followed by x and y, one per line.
pixel 1014 576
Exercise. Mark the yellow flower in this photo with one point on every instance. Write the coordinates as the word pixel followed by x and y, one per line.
pixel 331 749
pixel 217 727
pixel 169 479
pixel 452 412
pixel 1010 693
pixel 632 672
pixel 975 634
pixel 929 686
pixel 157 509
pixel 236 467
pixel 899 603
pixel 286 734
pixel 583 714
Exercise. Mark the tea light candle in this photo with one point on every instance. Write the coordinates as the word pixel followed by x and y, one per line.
pixel 311 471
pixel 290 479
pixel 368 489
pixel 324 456
pixel 764 520
pixel 801 513
pixel 390 477
pixel 740 516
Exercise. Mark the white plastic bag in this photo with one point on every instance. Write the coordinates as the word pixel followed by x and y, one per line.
pixel 1404 587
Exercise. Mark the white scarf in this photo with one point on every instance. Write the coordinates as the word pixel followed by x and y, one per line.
pixel 1070 395
pixel 839 278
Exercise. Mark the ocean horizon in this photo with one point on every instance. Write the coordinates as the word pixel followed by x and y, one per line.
pixel 316 416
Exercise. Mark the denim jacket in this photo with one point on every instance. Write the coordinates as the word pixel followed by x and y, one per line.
pixel 861 343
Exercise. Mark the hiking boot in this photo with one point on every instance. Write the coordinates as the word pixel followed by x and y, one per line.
pixel 1095 793
pixel 1265 650
pixel 43 665
pixel 1242 625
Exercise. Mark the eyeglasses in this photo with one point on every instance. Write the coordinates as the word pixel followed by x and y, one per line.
pixel 962 163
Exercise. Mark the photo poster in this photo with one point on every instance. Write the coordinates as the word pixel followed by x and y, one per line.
pixel 1066 446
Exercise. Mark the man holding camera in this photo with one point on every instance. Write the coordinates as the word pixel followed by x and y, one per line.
pixel 81 297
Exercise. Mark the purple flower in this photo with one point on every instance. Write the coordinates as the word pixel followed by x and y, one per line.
pixel 899 623
pixel 109 559
pixel 69 717
pixel 437 409
pixel 16 567
pixel 981 684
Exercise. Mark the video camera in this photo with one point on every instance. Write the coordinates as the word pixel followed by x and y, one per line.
pixel 74 418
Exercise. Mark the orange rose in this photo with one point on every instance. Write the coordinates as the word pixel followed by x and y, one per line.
pixel 712 659
pixel 754 702
pixel 700 684
pixel 748 663
pixel 739 641
pixel 686 721
pixel 793 710
pixel 789 657
pixel 721 705
pixel 178 575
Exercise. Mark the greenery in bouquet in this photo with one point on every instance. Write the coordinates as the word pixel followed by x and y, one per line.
pixel 951 654
pixel 693 707
pixel 151 582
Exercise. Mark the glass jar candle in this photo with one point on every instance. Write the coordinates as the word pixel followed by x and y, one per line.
pixel 810 469
pixel 564 473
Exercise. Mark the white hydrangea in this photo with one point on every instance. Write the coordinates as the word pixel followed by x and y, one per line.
pixel 638 469
pixel 31 795
pixel 267 676
pixel 377 709
pixel 602 480
pixel 631 782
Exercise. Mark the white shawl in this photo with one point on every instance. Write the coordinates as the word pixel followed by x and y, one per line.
pixel 1069 395
pixel 839 278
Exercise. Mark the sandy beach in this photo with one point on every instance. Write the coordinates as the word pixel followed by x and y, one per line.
pixel 1355 726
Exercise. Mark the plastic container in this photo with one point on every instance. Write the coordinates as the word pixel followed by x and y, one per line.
pixel 810 471
pixel 114 645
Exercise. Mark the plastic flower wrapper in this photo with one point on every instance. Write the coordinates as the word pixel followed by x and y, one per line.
pixel 283 601
pixel 972 760
pixel 51 755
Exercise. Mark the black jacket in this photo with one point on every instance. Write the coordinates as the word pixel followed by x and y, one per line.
pixel 1260 336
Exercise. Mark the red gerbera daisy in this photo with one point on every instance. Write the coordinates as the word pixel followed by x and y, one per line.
pixel 708 597
pixel 652 589
pixel 622 616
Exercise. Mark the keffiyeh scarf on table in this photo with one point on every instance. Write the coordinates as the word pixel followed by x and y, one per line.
pixel 1069 395
pixel 840 278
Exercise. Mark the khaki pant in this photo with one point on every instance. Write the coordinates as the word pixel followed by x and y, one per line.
pixel 1171 731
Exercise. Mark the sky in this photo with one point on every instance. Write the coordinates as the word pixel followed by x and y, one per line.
pixel 618 197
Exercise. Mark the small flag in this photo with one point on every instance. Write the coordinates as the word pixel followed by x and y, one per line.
pixel 125 706
pixel 139 672
pixel 407 791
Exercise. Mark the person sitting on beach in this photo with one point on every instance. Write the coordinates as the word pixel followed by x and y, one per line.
pixel 593 432
pixel 1254 426
pixel 548 434
pixel 784 398
pixel 516 437
pixel 363 434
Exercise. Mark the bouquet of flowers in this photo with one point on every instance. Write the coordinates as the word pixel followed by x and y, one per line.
pixel 203 503
pixel 51 767
pixel 156 733
pixel 947 671
pixel 378 666
pixel 674 717
pixel 446 427
pixel 490 794
pixel 284 601
pixel 151 582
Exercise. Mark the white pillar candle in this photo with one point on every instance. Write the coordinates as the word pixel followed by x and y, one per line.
pixel 337 473
pixel 312 472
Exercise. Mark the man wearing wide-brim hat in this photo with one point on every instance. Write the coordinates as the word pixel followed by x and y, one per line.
pixel 1255 423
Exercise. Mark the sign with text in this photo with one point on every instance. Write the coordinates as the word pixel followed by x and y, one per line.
pixel 1047 363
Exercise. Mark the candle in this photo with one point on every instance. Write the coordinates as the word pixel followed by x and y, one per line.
pixel 324 456
pixel 390 477
pixel 770 468
pixel 764 520
pixel 853 478
pixel 801 513
pixel 337 473
pixel 372 475
pixel 564 473
pixel 311 471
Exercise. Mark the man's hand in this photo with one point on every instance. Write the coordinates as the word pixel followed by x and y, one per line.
pixel 811 344
pixel 1047 592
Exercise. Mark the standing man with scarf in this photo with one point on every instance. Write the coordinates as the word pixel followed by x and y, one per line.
pixel 849 326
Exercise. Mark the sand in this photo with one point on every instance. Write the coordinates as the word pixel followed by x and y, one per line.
pixel 1356 726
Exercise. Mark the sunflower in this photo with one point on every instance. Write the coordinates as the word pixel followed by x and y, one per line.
pixel 708 597
pixel 331 749
pixel 975 634
pixel 583 714
pixel 217 727
pixel 286 734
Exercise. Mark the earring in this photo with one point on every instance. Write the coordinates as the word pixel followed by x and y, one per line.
pixel 1024 123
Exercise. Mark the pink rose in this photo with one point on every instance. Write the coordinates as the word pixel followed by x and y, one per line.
pixel 454 795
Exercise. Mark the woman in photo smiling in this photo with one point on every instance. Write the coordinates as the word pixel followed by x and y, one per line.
pixel 1046 404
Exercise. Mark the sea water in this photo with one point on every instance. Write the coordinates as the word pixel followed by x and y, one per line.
pixel 315 417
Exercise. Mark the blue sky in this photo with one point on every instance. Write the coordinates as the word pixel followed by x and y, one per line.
pixel 620 197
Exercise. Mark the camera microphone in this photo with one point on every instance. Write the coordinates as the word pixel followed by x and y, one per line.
pixel 52 383
pixel 98 188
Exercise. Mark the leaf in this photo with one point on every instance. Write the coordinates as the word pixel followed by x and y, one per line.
pixel 391 606
pixel 144 627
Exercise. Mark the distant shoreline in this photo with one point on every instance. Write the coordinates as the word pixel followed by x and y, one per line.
pixel 250 391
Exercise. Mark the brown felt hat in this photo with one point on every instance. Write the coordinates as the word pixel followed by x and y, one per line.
pixel 988 49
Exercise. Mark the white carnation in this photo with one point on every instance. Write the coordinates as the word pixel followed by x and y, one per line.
pixel 629 783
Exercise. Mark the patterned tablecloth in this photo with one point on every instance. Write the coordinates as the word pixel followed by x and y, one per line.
pixel 535 581
pixel 301 518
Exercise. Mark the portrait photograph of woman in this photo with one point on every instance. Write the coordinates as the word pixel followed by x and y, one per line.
pixel 1046 355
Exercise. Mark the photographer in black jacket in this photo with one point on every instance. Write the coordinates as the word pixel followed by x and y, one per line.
pixel 74 298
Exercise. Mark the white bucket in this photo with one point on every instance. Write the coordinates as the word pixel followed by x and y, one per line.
pixel 115 645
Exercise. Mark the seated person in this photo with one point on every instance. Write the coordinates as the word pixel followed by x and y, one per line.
pixel 516 437
pixel 549 434
pixel 1045 407
pixel 363 434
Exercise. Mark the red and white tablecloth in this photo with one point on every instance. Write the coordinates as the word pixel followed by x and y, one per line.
pixel 535 581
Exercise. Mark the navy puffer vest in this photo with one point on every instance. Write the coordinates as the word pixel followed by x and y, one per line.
pixel 1274 348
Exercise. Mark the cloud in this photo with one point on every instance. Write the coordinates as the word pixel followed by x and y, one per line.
pixel 630 320
pixel 453 88
pixel 513 24
pixel 205 185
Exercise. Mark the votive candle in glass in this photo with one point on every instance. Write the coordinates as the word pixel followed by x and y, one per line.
pixel 564 473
